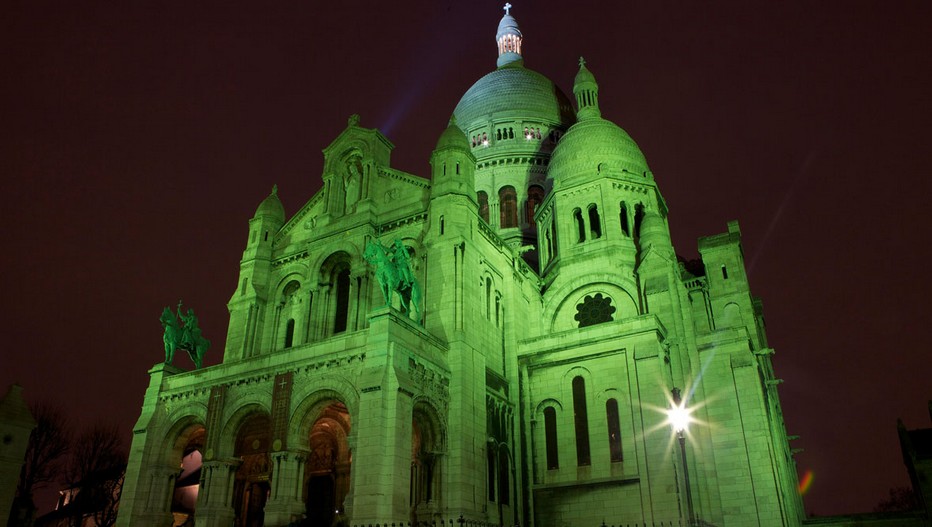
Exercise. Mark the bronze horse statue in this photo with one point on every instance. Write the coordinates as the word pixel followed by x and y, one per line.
pixel 393 271
pixel 187 337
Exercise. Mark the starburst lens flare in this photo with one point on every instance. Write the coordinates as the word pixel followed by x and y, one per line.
pixel 678 417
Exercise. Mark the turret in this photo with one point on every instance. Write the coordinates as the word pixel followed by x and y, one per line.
pixel 452 164
pixel 253 285
pixel 268 219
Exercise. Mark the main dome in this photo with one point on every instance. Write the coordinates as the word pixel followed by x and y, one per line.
pixel 513 92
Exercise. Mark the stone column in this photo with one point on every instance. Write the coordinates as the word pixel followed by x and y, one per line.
pixel 159 484
pixel 285 504
pixel 214 508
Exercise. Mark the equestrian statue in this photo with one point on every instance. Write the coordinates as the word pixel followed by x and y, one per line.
pixel 393 270
pixel 182 332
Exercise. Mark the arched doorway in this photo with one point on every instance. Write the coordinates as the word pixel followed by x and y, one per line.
pixel 251 487
pixel 187 484
pixel 427 445
pixel 328 465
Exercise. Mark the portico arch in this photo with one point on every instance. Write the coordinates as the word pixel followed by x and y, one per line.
pixel 324 428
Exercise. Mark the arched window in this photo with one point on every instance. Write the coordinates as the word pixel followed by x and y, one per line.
pixel 508 203
pixel 580 226
pixel 503 487
pixel 491 475
pixel 483 200
pixel 289 333
pixel 595 226
pixel 623 217
pixel 614 430
pixel 498 134
pixel 550 437
pixel 341 314
pixel 488 299
pixel 638 218
pixel 581 420
pixel 535 196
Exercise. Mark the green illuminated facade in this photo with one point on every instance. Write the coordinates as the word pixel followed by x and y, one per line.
pixel 556 318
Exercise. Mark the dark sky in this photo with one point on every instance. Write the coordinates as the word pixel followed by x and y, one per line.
pixel 139 137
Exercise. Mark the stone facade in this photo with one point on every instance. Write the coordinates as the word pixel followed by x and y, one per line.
pixel 555 320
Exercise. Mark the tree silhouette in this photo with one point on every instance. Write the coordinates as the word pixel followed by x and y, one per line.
pixel 95 475
pixel 49 442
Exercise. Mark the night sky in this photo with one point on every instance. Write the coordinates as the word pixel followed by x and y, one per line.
pixel 139 137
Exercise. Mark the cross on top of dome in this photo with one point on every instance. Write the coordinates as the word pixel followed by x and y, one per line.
pixel 507 7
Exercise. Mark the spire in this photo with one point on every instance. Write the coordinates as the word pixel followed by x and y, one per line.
pixel 509 39
pixel 586 91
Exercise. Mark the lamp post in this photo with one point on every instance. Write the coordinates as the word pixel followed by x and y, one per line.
pixel 679 419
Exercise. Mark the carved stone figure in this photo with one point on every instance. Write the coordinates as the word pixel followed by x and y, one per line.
pixel 351 183
pixel 394 274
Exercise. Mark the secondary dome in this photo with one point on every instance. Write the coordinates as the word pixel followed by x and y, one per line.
pixel 594 144
pixel 453 138
pixel 513 91
pixel 271 206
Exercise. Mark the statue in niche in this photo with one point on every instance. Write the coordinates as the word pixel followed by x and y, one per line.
pixel 183 332
pixel 352 179
pixel 393 271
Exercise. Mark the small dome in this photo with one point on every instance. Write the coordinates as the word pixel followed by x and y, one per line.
pixel 583 76
pixel 593 146
pixel 453 138
pixel 271 207
pixel 653 230
pixel 507 26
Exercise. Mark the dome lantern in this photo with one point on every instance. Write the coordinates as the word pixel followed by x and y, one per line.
pixel 586 91
pixel 509 39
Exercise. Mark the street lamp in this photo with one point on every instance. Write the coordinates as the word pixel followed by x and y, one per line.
pixel 679 419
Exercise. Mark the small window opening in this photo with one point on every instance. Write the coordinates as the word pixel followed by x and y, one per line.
pixel 457 168
pixel 724 272
pixel 638 218
pixel 483 200
pixel 511 133
pixel 535 196
pixel 580 225
pixel 550 438
pixel 623 217
pixel 488 299
pixel 242 290
pixel 266 236
pixel 441 225
pixel 342 301
pixel 614 430
pixel 289 334
pixel 254 234
pixel 581 421
pixel 595 226
pixel 503 486
pixel 508 201
pixel 491 476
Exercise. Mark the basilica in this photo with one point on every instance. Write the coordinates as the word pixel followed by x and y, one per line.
pixel 500 342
